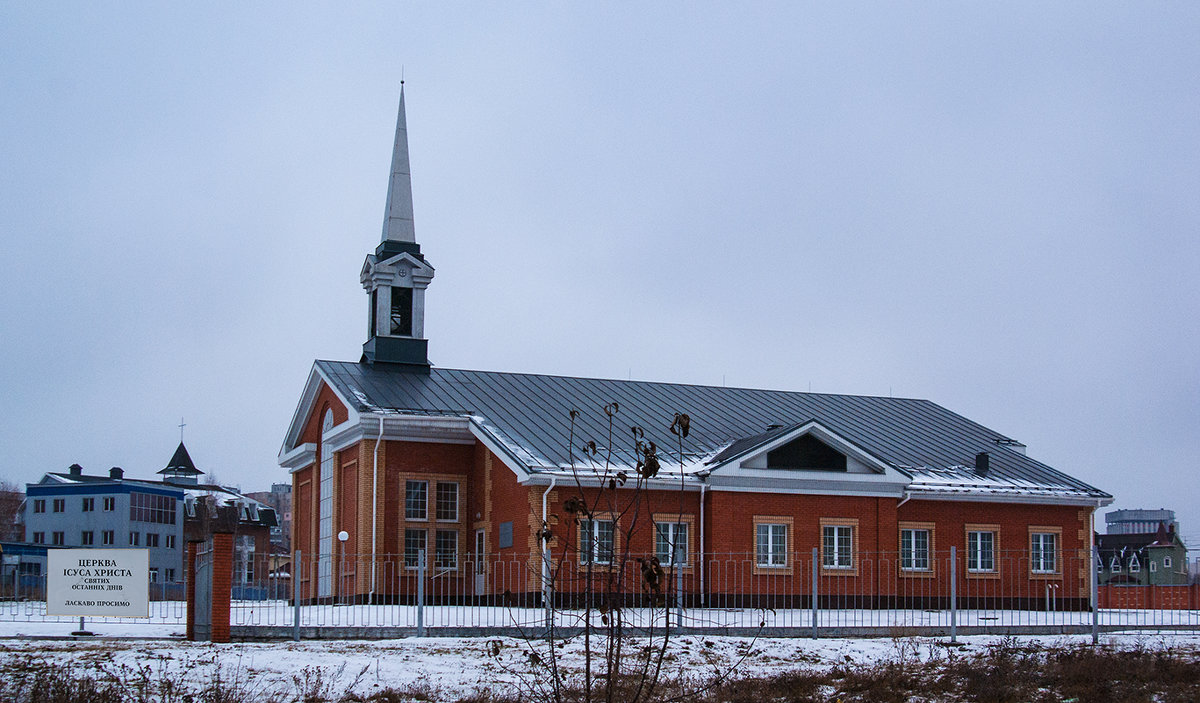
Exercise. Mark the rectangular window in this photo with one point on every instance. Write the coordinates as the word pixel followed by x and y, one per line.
pixel 151 507
pixel 981 552
pixel 1167 562
pixel 170 542
pixel 60 505
pixel 87 538
pixel 1043 552
pixel 89 505
pixel 58 539
pixel 110 504
pixel 108 537
pixel 39 537
pixel 447 502
pixel 416 500
pixel 770 545
pixel 445 549
pixel 151 539
pixel 1153 567
pixel 39 505
pixel 170 575
pixel 596 541
pixel 414 544
pixel 837 547
pixel 671 538
pixel 153 575
pixel 914 550
pixel 133 539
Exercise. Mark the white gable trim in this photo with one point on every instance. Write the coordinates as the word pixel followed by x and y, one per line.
pixel 304 408
pixel 506 457
pixel 816 429
pixel 300 457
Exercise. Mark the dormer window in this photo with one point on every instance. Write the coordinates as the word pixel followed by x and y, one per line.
pixel 1134 565
pixel 806 452
pixel 1115 566
pixel 402 318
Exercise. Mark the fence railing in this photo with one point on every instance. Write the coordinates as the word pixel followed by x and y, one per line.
pixel 791 594
pixel 798 593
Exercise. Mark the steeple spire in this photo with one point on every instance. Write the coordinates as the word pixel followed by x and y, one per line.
pixel 398 214
pixel 397 274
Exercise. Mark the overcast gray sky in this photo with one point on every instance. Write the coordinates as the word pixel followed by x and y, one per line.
pixel 995 207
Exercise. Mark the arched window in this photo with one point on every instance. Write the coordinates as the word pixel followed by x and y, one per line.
pixel 325 523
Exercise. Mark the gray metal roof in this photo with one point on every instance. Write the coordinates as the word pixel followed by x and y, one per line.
pixel 530 414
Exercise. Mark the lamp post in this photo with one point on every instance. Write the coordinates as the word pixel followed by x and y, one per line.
pixel 342 537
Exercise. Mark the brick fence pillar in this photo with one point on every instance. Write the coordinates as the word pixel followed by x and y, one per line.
pixel 222 584
pixel 190 574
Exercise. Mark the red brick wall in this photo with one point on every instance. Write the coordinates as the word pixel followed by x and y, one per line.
pixel 326 399
pixel 1150 597
pixel 1014 521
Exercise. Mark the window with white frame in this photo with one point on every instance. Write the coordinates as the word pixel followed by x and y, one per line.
pixel 1115 565
pixel 1153 567
pixel 447 502
pixel 108 537
pixel 770 544
pixel 445 549
pixel 981 551
pixel 1134 565
pixel 1167 562
pixel 416 500
pixel 110 504
pixel 325 511
pixel 671 538
pixel 1043 552
pixel 597 541
pixel 414 544
pixel 914 549
pixel 837 547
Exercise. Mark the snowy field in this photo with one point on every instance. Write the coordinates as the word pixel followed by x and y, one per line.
pixel 454 667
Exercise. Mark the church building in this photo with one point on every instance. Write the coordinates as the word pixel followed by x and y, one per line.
pixel 394 460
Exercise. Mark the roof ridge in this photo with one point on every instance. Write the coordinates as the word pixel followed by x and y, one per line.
pixel 660 383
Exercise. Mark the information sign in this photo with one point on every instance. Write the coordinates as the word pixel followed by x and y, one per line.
pixel 97 582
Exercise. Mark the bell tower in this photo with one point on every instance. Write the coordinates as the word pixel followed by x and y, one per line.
pixel 396 275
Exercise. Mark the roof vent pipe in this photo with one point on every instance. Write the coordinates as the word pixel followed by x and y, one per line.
pixel 982 463
pixel 116 472
pixel 75 469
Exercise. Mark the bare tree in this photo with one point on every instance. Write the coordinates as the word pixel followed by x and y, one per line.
pixel 599 591
pixel 11 497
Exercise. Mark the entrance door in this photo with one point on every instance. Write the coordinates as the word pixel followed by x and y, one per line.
pixel 480 563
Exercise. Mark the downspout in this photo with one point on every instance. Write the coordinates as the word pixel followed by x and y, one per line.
pixel 700 556
pixel 907 497
pixel 374 506
pixel 546 544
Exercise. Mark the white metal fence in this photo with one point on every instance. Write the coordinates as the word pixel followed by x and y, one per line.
pixel 801 594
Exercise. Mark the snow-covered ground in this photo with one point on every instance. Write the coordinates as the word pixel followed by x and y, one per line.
pixel 460 666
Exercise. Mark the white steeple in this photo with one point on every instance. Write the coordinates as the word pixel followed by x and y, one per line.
pixel 398 214
pixel 397 274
